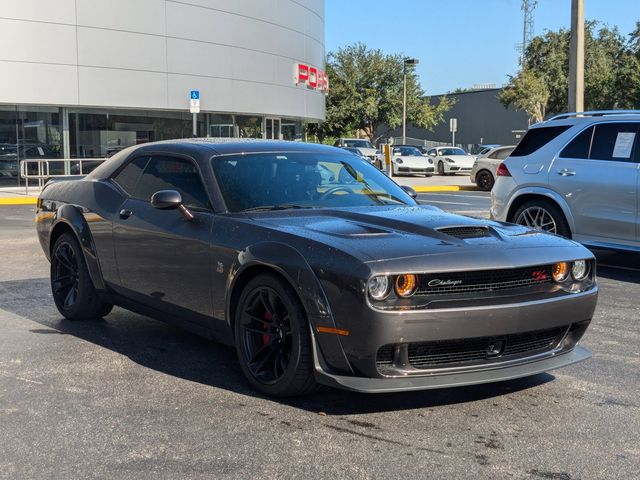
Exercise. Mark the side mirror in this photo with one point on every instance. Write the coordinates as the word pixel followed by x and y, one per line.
pixel 410 191
pixel 170 200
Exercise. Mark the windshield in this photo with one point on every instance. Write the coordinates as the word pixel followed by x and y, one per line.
pixel 358 143
pixel 452 151
pixel 302 180
pixel 407 151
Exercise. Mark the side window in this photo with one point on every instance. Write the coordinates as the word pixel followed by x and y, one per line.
pixel 579 147
pixel 614 141
pixel 168 173
pixel 494 154
pixel 128 177
pixel 537 138
pixel 503 153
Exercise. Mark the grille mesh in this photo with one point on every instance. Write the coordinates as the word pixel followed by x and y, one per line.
pixel 466 232
pixel 483 281
pixel 440 354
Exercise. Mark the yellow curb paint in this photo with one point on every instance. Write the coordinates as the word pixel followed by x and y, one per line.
pixel 18 201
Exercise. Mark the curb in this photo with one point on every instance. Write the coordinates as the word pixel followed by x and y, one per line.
pixel 445 188
pixel 18 200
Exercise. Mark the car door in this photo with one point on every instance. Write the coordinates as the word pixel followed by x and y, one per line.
pixel 163 259
pixel 597 175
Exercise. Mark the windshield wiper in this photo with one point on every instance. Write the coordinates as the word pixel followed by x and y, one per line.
pixel 281 206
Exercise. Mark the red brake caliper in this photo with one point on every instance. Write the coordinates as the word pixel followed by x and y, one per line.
pixel 265 336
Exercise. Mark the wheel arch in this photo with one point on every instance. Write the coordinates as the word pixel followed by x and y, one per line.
pixel 69 218
pixel 526 195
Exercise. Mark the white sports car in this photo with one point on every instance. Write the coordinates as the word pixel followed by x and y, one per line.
pixel 407 159
pixel 451 160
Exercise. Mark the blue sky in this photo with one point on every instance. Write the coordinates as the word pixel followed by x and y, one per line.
pixel 459 42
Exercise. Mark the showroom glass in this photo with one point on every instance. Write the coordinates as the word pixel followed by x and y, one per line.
pixel 358 143
pixel 303 179
pixel 168 173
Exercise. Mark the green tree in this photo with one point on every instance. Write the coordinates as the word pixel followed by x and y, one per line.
pixel 366 92
pixel 527 92
pixel 612 78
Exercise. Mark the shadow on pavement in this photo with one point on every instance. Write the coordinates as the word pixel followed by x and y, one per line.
pixel 620 266
pixel 167 349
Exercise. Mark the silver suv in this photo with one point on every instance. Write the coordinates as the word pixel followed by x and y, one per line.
pixel 576 175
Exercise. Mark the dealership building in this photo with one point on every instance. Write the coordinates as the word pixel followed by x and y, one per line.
pixel 86 78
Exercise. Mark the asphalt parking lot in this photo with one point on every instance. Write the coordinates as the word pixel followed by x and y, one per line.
pixel 130 397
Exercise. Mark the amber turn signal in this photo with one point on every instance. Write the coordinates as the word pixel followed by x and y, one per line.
pixel 560 272
pixel 406 285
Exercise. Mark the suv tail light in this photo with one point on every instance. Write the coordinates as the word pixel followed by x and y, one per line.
pixel 503 171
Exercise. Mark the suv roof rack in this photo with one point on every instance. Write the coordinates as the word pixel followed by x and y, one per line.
pixel 595 113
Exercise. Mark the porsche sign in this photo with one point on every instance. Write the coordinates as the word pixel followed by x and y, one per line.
pixel 311 77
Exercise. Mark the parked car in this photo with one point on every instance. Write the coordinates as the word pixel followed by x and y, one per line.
pixel 482 150
pixel 360 154
pixel 347 282
pixel 365 147
pixel 407 159
pixel 575 175
pixel 451 160
pixel 483 172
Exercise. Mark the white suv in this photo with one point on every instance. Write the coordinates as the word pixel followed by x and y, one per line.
pixel 576 175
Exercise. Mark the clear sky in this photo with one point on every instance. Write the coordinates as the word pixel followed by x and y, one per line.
pixel 459 42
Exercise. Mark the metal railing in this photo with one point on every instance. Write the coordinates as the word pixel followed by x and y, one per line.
pixel 39 169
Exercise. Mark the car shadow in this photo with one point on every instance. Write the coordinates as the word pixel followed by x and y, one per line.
pixel 170 350
pixel 620 266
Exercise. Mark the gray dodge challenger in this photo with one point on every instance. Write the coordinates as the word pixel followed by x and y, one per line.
pixel 315 266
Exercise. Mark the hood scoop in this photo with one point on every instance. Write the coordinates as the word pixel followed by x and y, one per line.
pixel 465 232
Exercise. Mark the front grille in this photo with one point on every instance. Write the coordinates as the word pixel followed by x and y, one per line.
pixel 454 353
pixel 466 232
pixel 483 280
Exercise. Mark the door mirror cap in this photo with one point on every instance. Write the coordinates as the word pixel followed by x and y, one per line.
pixel 410 191
pixel 166 199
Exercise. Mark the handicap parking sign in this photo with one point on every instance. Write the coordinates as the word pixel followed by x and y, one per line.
pixel 195 94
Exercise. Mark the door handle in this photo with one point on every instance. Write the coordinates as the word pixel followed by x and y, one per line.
pixel 565 172
pixel 124 213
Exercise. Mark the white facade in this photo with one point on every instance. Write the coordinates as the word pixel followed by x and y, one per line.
pixel 148 54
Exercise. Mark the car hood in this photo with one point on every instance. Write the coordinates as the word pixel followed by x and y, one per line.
pixel 368 151
pixel 387 233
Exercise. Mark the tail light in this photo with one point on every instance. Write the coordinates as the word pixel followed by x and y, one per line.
pixel 503 171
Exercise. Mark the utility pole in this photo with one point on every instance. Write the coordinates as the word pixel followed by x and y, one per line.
pixel 576 57
pixel 407 61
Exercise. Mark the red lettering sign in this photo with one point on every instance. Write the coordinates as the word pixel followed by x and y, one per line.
pixel 311 77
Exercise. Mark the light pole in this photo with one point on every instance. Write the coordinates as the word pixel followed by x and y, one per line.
pixel 407 61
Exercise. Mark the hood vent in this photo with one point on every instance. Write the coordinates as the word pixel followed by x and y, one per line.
pixel 466 232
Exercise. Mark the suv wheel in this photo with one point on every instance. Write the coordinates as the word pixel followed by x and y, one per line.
pixel 542 215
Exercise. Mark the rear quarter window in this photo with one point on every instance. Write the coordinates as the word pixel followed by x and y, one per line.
pixel 537 138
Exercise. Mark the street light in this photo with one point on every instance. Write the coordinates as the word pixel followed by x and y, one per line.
pixel 407 61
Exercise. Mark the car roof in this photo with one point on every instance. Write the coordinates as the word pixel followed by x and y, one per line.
pixel 202 149
pixel 587 118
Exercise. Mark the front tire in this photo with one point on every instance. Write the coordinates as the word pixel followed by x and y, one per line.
pixel 542 215
pixel 73 291
pixel 272 338
pixel 441 168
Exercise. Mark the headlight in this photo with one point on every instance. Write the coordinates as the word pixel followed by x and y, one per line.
pixel 430 160
pixel 560 272
pixel 450 160
pixel 580 270
pixel 378 287
pixel 406 285
pixel 398 160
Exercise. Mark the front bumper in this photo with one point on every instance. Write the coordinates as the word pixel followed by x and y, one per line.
pixel 498 374
pixel 401 169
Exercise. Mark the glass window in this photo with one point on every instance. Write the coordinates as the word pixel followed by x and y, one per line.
pixel 129 175
pixel 614 141
pixel 220 125
pixel 503 153
pixel 168 173
pixel 292 130
pixel 358 143
pixel 407 151
pixel 303 180
pixel 579 147
pixel 452 151
pixel 536 138
pixel 249 127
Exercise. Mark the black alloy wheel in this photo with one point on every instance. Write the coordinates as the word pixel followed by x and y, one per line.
pixel 272 338
pixel 72 289
pixel 440 168
pixel 484 180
